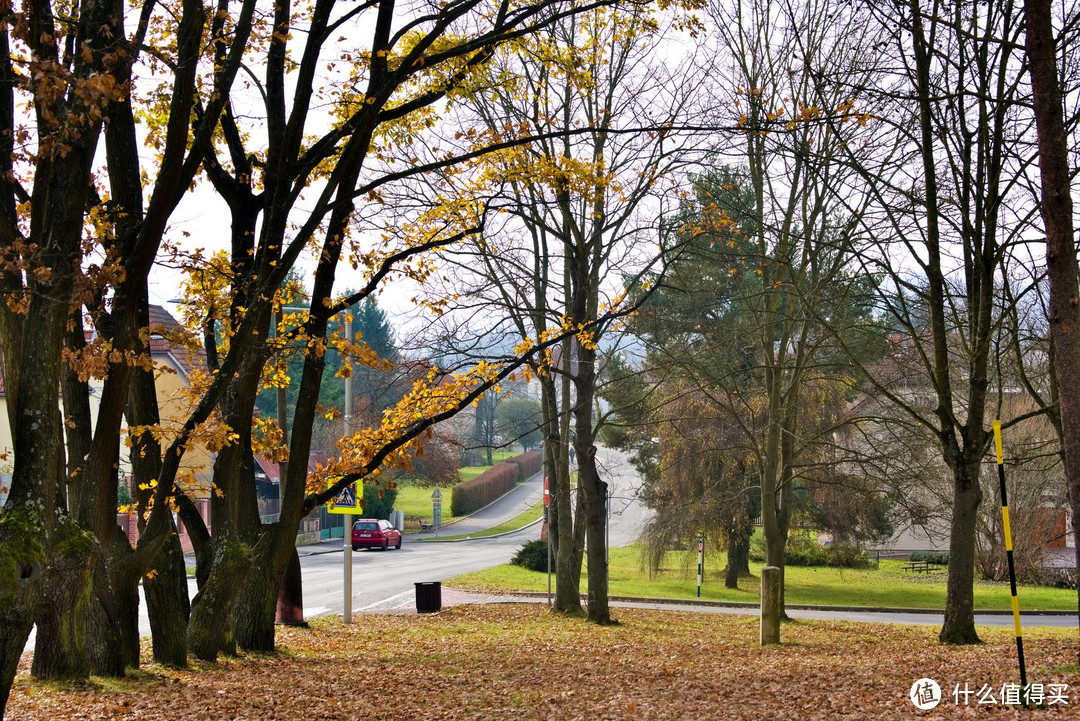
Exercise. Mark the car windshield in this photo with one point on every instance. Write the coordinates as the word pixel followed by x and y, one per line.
pixel 366 527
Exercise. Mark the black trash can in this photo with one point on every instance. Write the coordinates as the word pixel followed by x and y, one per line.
pixel 428 596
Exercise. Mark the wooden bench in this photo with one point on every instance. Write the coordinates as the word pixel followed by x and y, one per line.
pixel 426 527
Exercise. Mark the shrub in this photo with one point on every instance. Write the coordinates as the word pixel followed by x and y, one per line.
pixel 1058 577
pixel 472 495
pixel 378 500
pixel 804 551
pixel 533 556
pixel 529 464
pixel 941 558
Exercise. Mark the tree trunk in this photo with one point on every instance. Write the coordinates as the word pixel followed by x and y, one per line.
pixel 257 604
pixel 211 629
pixel 595 496
pixel 114 617
pixel 731 574
pixel 1061 266
pixel 104 642
pixel 22 565
pixel 959 625
pixel 167 604
pixel 567 545
pixel 290 600
pixel 60 646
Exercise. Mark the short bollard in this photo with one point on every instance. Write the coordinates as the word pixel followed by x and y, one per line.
pixel 770 605
pixel 428 596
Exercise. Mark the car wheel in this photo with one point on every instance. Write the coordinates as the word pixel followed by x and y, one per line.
pixel 398 545
pixel 385 545
pixel 355 547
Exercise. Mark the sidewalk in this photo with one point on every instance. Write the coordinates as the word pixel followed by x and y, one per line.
pixel 405 603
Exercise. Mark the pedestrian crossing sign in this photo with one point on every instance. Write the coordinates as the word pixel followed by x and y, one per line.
pixel 350 500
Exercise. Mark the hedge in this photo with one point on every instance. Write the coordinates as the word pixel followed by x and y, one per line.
pixel 474 494
pixel 528 463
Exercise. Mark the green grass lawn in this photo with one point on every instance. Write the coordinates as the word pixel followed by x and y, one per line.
pixel 887 585
pixel 498 456
pixel 415 500
pixel 534 513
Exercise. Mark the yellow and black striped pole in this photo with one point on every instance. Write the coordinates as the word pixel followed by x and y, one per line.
pixel 1009 556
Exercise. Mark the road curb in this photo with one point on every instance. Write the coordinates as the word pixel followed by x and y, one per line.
pixel 801 606
pixel 478 538
pixel 459 519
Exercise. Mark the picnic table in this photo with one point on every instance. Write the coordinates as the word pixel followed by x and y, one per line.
pixel 919 567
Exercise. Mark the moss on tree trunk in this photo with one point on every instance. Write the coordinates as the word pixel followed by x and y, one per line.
pixel 22 564
pixel 211 629
pixel 256 607
pixel 60 649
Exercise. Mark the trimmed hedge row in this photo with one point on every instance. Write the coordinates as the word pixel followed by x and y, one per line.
pixel 528 463
pixel 474 494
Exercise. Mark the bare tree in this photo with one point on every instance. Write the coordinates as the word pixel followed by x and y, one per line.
pixel 573 214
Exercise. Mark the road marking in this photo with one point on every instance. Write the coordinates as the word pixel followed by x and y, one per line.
pixel 397 601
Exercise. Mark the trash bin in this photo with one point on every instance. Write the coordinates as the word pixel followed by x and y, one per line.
pixel 428 596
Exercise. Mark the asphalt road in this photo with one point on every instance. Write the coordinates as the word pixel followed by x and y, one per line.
pixel 382 578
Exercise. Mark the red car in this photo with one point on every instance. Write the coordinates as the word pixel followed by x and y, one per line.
pixel 372 533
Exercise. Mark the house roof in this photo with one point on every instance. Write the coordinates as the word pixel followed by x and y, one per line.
pixel 162 324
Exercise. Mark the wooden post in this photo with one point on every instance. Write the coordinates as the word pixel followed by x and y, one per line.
pixel 770 605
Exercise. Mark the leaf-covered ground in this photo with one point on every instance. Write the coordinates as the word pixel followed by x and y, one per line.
pixel 520 662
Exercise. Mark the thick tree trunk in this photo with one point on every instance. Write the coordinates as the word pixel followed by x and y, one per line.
pixel 257 604
pixel 114 617
pixel 959 625
pixel 1061 266
pixel 104 643
pixel 211 629
pixel 22 565
pixel 290 600
pixel 595 534
pixel 167 604
pixel 60 646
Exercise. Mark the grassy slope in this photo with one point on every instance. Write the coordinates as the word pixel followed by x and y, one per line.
pixel 885 586
pixel 415 501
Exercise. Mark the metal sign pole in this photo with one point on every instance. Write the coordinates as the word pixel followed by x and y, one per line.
pixel 346 615
pixel 547 527
pixel 436 510
pixel 700 562
pixel 346 535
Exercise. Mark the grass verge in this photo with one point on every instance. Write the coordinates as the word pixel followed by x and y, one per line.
pixel 887 585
